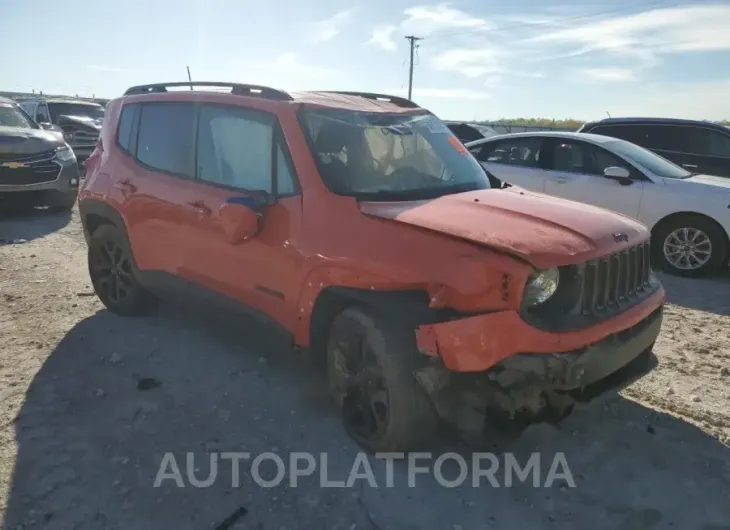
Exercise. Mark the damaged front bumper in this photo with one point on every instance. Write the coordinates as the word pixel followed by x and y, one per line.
pixel 542 386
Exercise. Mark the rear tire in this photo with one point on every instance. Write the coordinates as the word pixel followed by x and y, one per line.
pixel 112 272
pixel 370 362
pixel 691 246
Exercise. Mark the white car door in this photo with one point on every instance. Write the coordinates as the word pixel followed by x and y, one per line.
pixel 514 160
pixel 576 173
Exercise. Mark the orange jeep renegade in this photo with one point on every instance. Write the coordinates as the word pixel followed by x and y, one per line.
pixel 361 227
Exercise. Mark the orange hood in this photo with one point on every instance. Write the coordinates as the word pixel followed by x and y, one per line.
pixel 543 230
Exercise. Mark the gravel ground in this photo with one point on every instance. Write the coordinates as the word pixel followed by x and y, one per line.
pixel 90 403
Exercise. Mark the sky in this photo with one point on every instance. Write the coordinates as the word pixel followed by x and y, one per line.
pixel 478 59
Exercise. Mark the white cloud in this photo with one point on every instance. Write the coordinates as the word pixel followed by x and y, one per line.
pixel 648 34
pixel 469 62
pixel 291 64
pixel 608 74
pixel 327 29
pixel 427 19
pixel 440 93
pixel 383 36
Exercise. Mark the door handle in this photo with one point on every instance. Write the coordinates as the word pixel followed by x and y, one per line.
pixel 201 207
pixel 691 166
pixel 560 180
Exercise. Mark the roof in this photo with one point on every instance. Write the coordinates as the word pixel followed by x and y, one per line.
pixel 595 138
pixel 649 120
pixel 350 102
pixel 71 101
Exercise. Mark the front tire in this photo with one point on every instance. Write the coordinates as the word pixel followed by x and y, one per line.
pixel 691 246
pixel 112 272
pixel 370 362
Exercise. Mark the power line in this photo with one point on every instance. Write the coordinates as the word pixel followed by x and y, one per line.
pixel 631 10
pixel 412 40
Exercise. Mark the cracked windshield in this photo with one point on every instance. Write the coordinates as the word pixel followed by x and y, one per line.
pixel 415 265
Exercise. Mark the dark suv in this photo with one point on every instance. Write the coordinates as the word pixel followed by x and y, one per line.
pixel 699 146
pixel 36 165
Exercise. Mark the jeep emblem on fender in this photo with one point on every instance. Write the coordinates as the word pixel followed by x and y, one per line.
pixel 618 237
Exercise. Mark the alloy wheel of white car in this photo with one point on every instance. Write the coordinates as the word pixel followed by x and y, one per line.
pixel 687 248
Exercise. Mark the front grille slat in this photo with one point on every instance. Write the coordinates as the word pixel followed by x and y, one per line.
pixel 615 279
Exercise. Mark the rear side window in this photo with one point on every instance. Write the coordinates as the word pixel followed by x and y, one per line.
pixel 630 133
pixel 523 152
pixel 167 138
pixel 709 143
pixel 124 134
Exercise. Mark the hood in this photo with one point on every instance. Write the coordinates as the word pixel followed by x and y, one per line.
pixel 543 230
pixel 710 183
pixel 83 121
pixel 21 141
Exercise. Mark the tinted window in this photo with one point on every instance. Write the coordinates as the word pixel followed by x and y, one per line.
pixel 124 136
pixel 516 152
pixel 12 116
pixel 167 138
pixel 83 110
pixel 235 147
pixel 284 174
pixel 41 114
pixel 630 133
pixel 588 159
pixel 709 143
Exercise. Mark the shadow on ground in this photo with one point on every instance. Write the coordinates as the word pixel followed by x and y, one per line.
pixel 22 225
pixel 117 395
pixel 704 294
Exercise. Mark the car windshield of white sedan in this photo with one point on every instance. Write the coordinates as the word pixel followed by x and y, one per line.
pixel 379 156
pixel 656 164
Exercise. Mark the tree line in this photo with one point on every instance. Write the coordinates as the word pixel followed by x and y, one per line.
pixel 568 123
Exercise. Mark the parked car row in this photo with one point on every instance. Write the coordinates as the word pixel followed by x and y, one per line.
pixel 360 227
pixel 688 213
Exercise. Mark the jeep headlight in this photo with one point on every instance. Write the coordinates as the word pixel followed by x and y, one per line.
pixel 541 285
pixel 65 154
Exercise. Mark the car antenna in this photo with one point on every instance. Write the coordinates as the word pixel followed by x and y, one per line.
pixel 190 78
pixel 609 115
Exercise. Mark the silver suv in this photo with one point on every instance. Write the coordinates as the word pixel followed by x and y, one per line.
pixel 79 120
pixel 37 166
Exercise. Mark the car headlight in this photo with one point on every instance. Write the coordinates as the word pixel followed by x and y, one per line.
pixel 65 154
pixel 541 285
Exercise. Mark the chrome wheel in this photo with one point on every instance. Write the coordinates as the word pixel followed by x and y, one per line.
pixel 687 249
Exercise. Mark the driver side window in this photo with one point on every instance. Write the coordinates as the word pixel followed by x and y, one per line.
pixel 583 158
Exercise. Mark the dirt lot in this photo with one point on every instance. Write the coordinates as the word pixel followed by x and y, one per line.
pixel 90 403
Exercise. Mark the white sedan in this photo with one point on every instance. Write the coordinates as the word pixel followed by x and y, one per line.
pixel 688 214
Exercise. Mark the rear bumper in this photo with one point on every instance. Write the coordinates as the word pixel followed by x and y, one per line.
pixel 478 343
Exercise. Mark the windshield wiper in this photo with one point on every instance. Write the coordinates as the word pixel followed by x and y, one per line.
pixel 417 194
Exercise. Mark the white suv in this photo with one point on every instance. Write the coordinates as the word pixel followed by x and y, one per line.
pixel 689 214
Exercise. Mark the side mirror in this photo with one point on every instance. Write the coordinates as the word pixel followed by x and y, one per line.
pixel 239 221
pixel 619 174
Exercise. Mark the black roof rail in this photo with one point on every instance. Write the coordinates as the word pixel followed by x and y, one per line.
pixel 239 89
pixel 396 100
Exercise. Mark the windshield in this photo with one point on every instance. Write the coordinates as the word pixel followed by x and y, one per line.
pixel 95 112
pixel 382 156
pixel 12 116
pixel 651 161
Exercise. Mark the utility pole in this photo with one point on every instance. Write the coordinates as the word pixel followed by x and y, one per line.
pixel 412 42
